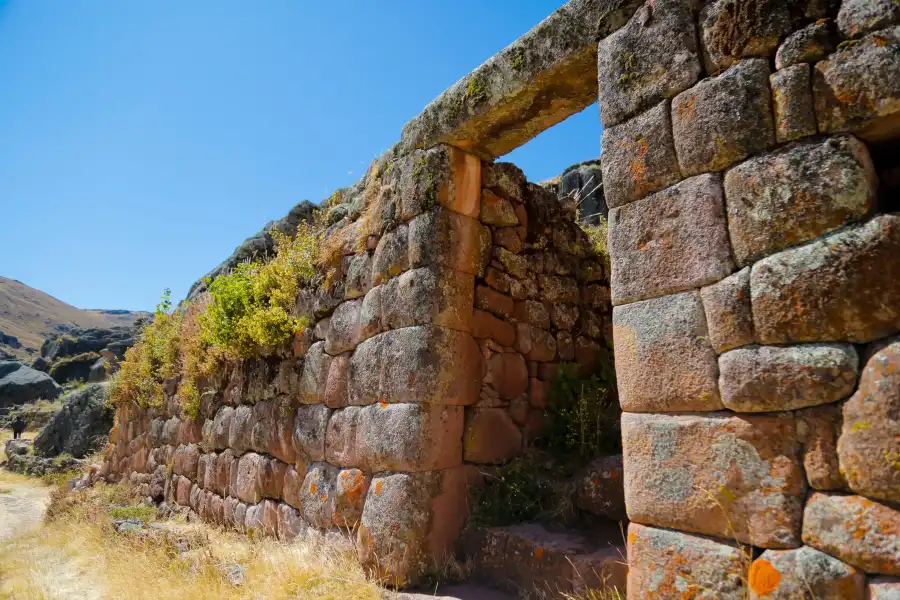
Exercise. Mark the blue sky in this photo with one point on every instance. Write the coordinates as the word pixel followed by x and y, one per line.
pixel 143 140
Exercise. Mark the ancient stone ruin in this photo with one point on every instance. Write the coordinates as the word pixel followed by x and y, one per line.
pixel 750 163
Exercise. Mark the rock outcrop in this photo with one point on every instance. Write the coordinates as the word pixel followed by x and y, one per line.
pixel 80 427
pixel 20 384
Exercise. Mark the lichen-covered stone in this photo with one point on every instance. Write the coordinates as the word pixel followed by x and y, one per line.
pixel 639 156
pixel 247 486
pixel 857 89
pixel 335 395
pixel 559 289
pixel 343 333
pixel 808 45
pixel 664 361
pixel 508 374
pixel 221 428
pixel 797 194
pixel 733 30
pixel 416 364
pixel 869 446
pixel 409 437
pixel 804 573
pixel 291 524
pixel 671 241
pixel 854 529
pixel 409 519
pixel 841 287
pixel 310 425
pixel 370 314
pixel 340 439
pixel 532 312
pixel 487 326
pixel 429 296
pixel 490 436
pixel 443 237
pixel 240 429
pixel 650 59
pixel 352 485
pixel 859 17
pixel 600 487
pixel 391 256
pixel 316 365
pixel 735 477
pixel 883 588
pixel 293 485
pixel 318 495
pixel 359 276
pixel 774 378
pixel 792 103
pixel 671 564
pixel 728 314
pixel 496 210
pixel 818 429
pixel 504 179
pixel 724 119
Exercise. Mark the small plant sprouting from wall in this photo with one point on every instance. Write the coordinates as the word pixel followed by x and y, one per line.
pixel 598 236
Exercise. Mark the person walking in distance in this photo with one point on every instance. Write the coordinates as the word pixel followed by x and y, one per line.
pixel 18 426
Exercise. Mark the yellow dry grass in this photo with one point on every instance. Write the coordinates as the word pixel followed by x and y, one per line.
pixel 77 554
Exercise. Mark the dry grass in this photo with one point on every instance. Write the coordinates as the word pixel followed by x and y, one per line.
pixel 6 434
pixel 77 554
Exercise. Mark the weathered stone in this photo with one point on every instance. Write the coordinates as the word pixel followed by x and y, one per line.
pixel 315 371
pixel 417 180
pixel 600 488
pixel 370 314
pixel 858 88
pixel 559 289
pixel 804 573
pixel 271 478
pixel 186 459
pixel 842 287
pixel 493 301
pixel 671 241
pixel 224 463
pixel 724 119
pixel 343 333
pixel 564 316
pixel 240 429
pixel 183 491
pixel 509 375
pixel 671 564
pixel 416 364
pixel 409 437
pixel 340 442
pixel 247 486
pixel 565 346
pixel 515 265
pixel 293 486
pixel 854 529
pixel 491 436
pixel 318 495
pixel 409 519
pixel 869 446
pixel 504 179
pixel 773 378
pixel 532 312
pixel 359 276
pixel 860 17
pixel 809 45
pixel 818 430
pixel 540 343
pixel 792 103
pixel 335 395
pixel 663 358
pixel 653 57
pixel 728 315
pixel 391 256
pixel 733 30
pixel 429 296
pixel 496 210
pixel 498 280
pixel 883 588
pixel 797 194
pixel 506 237
pixel 487 326
pixel 443 237
pixel 310 426
pixel 291 524
pixel 639 156
pixel 736 477
pixel 351 487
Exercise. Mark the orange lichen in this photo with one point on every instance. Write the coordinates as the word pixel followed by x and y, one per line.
pixel 312 488
pixel 764 578
pixel 539 553
pixel 378 488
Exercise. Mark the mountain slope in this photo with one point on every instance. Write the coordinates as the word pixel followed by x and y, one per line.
pixel 30 315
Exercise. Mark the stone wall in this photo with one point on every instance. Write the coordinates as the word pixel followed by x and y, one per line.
pixel 755 283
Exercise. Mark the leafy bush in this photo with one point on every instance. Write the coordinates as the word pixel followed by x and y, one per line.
pixel 521 490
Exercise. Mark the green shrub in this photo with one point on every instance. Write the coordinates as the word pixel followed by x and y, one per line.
pixel 598 236
pixel 521 490
pixel 138 511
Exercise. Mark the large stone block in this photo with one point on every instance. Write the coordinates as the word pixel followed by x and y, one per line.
pixel 804 573
pixel 819 428
pixel 443 237
pixel 858 88
pixel 724 119
pixel 883 588
pixel 487 326
pixel 671 241
pixel 416 364
pixel 352 485
pixel 359 276
pixel 429 296
pixel 340 442
pixel 509 374
pixel 859 17
pixel 336 395
pixel 839 288
pixel 869 446
pixel 409 437
pixel 728 314
pixel 221 428
pixel 293 486
pixel 343 332
pixel 735 477
pixel 315 371
pixel 240 429
pixel 671 564
pixel 318 494
pixel 247 487
pixel 411 519
pixel 291 524
pixel 797 194
pixel 599 487
pixel 773 378
pixel 792 103
pixel 310 425
pixel 271 478
pixel 491 436
pixel 664 361
pixel 854 529
pixel 639 156
pixel 808 45
pixel 733 30
pixel 653 57
pixel 391 256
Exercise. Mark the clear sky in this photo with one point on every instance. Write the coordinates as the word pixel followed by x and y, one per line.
pixel 142 140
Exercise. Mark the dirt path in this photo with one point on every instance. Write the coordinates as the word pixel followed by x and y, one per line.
pixel 22 506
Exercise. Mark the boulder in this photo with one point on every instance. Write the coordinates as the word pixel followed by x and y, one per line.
pixel 20 384
pixel 804 573
pixel 599 488
pixel 80 427
pixel 74 368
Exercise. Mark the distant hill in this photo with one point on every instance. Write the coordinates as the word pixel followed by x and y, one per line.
pixel 30 316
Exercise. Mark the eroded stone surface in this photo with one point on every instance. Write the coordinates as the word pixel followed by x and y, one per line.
pixel 600 487
pixel 819 428
pixel 859 17
pixel 443 237
pixel 854 529
pixel 883 588
pixel 671 564
pixel 429 296
pixel 664 361
pixel 797 194
pixel 804 573
pixel 409 437
pixel 869 445
pixel 315 373
pixel 491 436
pixel 671 241
pixel 734 30
pixel 773 378
pixel 808 45
pixel 728 314
pixel 792 103
pixel 839 288
pixel 734 477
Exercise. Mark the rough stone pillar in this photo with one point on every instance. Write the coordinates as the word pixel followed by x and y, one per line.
pixel 755 289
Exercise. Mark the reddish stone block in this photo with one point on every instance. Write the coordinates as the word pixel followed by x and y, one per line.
pixel 491 436
pixel 493 301
pixel 352 485
pixel 409 437
pixel 509 375
pixel 487 326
